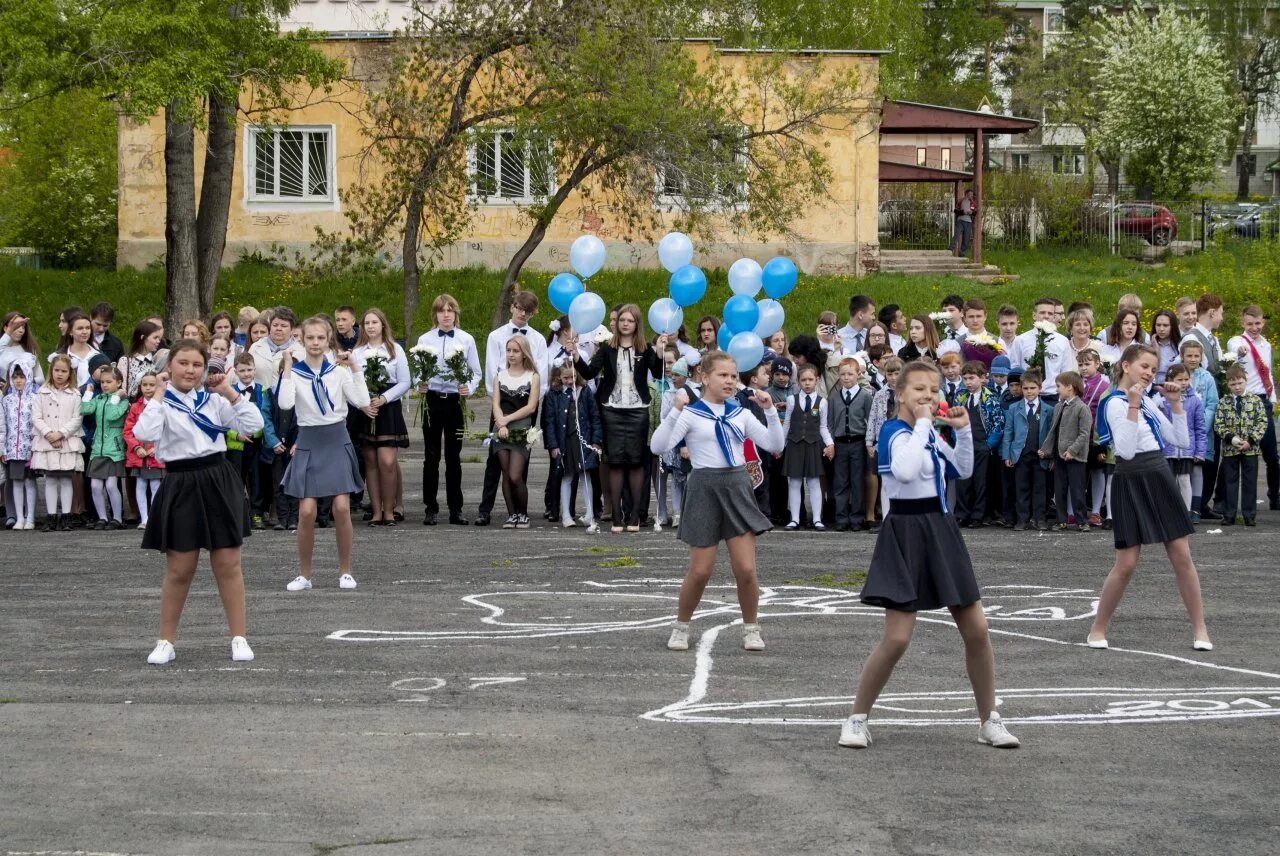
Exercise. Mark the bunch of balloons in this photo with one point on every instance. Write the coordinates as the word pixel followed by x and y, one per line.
pixel 568 293
pixel 746 321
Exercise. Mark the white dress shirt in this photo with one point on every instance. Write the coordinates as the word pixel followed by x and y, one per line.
pixel 556 352
pixel 495 350
pixel 1212 351
pixel 80 365
pixel 1250 366
pixel 699 435
pixel 1057 353
pixel 397 369
pixel 266 360
pixel 344 389
pixel 175 434
pixel 896 342
pixel 11 353
pixel 446 344
pixel 912 473
pixel 1129 438
pixel 797 403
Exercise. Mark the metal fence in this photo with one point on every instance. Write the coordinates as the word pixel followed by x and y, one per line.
pixel 1105 224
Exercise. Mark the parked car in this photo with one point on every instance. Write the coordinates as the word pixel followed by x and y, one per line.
pixel 1154 224
pixel 1225 216
pixel 1262 222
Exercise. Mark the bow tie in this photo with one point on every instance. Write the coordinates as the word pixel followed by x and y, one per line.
pixel 523 331
pixel 445 334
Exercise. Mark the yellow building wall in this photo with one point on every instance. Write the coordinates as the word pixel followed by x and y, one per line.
pixel 836 235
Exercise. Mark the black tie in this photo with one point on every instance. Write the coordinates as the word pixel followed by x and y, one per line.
pixel 446 334
pixel 848 397
pixel 1239 405
pixel 807 404
pixel 519 330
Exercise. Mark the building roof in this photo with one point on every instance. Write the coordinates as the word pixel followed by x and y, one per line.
pixel 912 117
pixel 891 171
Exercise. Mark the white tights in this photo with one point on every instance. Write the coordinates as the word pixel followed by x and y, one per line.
pixel 566 497
pixel 1184 485
pixel 795 486
pixel 57 487
pixel 145 490
pixel 23 509
pixel 105 490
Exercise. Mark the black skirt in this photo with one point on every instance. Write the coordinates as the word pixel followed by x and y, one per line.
pixel 387 429
pixel 626 435
pixel 201 505
pixel 920 561
pixel 1146 504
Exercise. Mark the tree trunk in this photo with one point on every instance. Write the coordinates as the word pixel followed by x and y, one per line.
pixel 215 197
pixel 1113 175
pixel 1246 147
pixel 409 259
pixel 180 280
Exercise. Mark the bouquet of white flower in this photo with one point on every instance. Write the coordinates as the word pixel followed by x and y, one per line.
pixel 942 321
pixel 424 364
pixel 1044 329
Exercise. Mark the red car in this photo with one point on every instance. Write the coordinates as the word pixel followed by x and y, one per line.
pixel 1154 224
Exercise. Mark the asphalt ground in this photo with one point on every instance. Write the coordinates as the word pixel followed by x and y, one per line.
pixel 488 691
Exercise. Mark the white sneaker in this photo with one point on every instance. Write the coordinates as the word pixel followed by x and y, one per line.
pixel 679 640
pixel 675 520
pixel 299 583
pixel 29 525
pixel 993 733
pixel 751 640
pixel 567 522
pixel 142 525
pixel 162 654
pixel 240 650
pixel 854 734
pixel 593 528
pixel 346 581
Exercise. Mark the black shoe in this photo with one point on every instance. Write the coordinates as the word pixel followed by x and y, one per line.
pixel 1106 525
pixel 113 525
pixel 10 522
pixel 50 524
pixel 978 524
pixel 1026 527
pixel 1226 522
pixel 322 524
pixel 550 515
pixel 98 525
pixel 964 524
pixel 1043 527
pixel 843 527
pixel 429 519
pixel 482 519
pixel 458 520
pixel 368 515
pixel 397 517
pixel 280 527
pixel 1249 521
pixel 1210 514
pixel 1275 505
pixel 64 523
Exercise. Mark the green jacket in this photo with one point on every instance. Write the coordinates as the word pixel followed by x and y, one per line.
pixel 108 434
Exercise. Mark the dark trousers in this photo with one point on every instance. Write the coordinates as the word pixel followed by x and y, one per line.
pixel 1009 493
pixel 846 483
pixel 778 489
pixel 1240 484
pixel 1029 482
pixel 1070 481
pixel 971 498
pixel 1211 486
pixel 286 506
pixel 995 484
pixel 763 500
pixel 357 423
pixel 245 463
pixel 1270 456
pixel 443 432
pixel 551 495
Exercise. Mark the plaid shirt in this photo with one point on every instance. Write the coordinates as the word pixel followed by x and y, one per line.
pixel 1250 423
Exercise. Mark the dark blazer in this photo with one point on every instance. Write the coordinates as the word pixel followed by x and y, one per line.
pixel 557 410
pixel 910 352
pixel 112 347
pixel 604 362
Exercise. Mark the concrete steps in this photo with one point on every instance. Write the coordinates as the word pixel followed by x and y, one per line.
pixel 937 263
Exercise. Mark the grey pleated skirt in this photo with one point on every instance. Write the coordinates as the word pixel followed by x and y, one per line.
pixel 105 468
pixel 1146 505
pixel 920 561
pixel 718 505
pixel 324 463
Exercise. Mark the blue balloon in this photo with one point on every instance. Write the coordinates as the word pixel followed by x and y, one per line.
pixel 747 351
pixel 563 288
pixel 665 316
pixel 723 336
pixel 771 318
pixel 779 277
pixel 741 313
pixel 586 313
pixel 586 255
pixel 688 285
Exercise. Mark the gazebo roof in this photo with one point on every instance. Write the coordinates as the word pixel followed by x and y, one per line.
pixel 912 117
pixel 895 171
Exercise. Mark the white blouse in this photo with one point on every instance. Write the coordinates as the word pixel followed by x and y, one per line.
pixel 79 364
pixel 175 433
pixel 912 474
pixel 699 435
pixel 397 369
pixel 624 393
pixel 344 388
pixel 1130 438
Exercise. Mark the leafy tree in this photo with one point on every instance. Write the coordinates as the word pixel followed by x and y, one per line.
pixel 58 179
pixel 191 59
pixel 968 48
pixel 1162 82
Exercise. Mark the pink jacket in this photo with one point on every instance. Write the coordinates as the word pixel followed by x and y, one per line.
pixel 57 410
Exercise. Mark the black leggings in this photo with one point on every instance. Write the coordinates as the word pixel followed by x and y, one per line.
pixel 514 490
pixel 635 479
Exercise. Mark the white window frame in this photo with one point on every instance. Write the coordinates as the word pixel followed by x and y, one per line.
pixel 496 199
pixel 1070 156
pixel 275 202
pixel 1050 13
pixel 680 201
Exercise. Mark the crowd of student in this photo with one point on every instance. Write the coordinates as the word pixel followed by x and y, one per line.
pixel 596 397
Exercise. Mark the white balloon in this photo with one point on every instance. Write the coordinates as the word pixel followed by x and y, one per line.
pixel 675 250
pixel 586 255
pixel 772 317
pixel 586 313
pixel 745 277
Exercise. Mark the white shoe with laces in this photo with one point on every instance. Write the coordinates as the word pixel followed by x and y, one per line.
pixel 751 640
pixel 299 583
pixel 679 640
pixel 346 581
pixel 162 654
pixel 993 733
pixel 593 528
pixel 240 650
pixel 854 733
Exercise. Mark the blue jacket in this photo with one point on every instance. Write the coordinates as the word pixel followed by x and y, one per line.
pixel 266 406
pixel 1196 427
pixel 1015 430
pixel 556 413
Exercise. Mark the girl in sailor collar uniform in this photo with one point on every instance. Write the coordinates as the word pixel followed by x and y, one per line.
pixel 324 461
pixel 920 561
pixel 714 429
pixel 201 503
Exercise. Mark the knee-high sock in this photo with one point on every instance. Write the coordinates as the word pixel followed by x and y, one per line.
pixel 114 499
pixel 795 488
pixel 815 499
pixel 50 495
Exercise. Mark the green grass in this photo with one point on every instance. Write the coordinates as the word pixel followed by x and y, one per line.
pixel 501 563
pixel 614 551
pixel 852 580
pixel 620 562
pixel 1239 271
